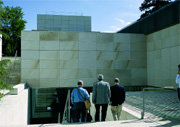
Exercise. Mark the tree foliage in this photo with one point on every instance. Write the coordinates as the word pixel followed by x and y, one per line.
pixel 1 3
pixel 12 24
pixel 149 6
pixel 3 74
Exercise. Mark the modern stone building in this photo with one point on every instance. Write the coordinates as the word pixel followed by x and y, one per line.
pixel 55 59
pixel 63 23
pixel 60 59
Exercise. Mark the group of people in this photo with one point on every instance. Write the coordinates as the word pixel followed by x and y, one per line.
pixel 102 96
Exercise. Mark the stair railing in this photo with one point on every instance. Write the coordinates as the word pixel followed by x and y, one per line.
pixel 66 114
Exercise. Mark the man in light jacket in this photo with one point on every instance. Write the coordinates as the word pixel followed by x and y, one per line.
pixel 178 81
pixel 101 97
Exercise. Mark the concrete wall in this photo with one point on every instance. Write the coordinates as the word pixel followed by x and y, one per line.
pixel 0 46
pixel 64 23
pixel 60 59
pixel 163 56
pixel 14 108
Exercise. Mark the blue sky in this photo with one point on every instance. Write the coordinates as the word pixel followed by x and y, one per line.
pixel 107 15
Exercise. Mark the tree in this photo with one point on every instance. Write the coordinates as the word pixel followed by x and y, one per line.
pixel 12 24
pixel 1 3
pixel 3 75
pixel 149 6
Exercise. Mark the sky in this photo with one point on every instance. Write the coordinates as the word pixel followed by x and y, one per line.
pixel 106 15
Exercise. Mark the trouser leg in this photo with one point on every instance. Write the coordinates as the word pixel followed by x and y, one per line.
pixel 97 106
pixel 119 109
pixel 73 114
pixel 178 90
pixel 104 111
pixel 61 112
pixel 114 112
pixel 83 113
pixel 83 116
pixel 77 113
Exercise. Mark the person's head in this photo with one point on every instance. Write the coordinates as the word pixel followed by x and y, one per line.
pixel 100 77
pixel 179 66
pixel 80 83
pixel 116 81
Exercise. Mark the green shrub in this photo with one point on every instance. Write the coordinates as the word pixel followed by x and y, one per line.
pixel 3 74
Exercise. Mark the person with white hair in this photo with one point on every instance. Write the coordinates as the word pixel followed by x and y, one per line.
pixel 101 97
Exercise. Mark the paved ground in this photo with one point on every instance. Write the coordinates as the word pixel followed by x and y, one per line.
pixel 109 117
pixel 159 105
pixel 127 123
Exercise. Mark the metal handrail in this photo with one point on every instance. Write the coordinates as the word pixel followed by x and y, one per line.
pixel 143 92
pixel 15 56
pixel 66 114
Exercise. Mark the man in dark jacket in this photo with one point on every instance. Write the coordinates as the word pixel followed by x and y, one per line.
pixel 117 99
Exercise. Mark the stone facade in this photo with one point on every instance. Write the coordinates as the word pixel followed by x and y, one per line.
pixel 163 56
pixel 64 23
pixel 60 59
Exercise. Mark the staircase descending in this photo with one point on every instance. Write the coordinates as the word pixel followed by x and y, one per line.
pixel 44 98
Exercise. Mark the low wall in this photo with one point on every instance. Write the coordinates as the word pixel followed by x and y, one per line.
pixel 14 108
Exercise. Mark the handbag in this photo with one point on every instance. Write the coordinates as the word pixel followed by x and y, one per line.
pixel 86 101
